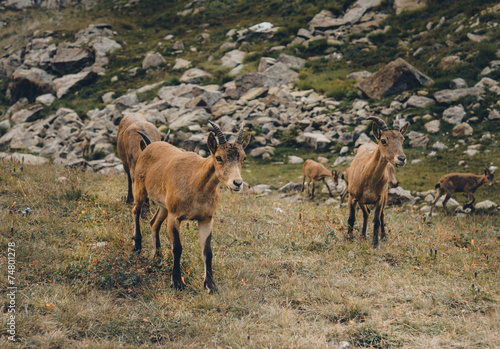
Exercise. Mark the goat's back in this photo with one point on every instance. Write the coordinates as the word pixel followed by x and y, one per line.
pixel 457 182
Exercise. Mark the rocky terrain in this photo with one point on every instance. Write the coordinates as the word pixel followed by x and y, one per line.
pixel 43 72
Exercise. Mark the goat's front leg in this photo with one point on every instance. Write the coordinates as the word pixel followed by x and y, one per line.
pixel 312 195
pixel 303 181
pixel 365 219
pixel 173 227
pixel 471 202
pixel 160 215
pixel 328 187
pixel 351 203
pixel 382 225
pixel 205 232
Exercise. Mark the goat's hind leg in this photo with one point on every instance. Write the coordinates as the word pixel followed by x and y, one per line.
pixel 160 215
pixel 328 187
pixel 470 204
pixel 205 232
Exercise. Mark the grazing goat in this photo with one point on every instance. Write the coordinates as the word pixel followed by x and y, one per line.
pixel 186 187
pixel 128 144
pixel 316 171
pixel 392 180
pixel 462 183
pixel 368 175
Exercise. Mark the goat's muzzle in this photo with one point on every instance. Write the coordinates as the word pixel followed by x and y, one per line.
pixel 400 161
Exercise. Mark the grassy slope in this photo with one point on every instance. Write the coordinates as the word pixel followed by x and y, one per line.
pixel 286 275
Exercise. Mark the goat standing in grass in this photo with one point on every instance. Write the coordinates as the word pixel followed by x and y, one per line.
pixel 392 181
pixel 316 172
pixel 186 187
pixel 128 144
pixel 369 175
pixel 462 183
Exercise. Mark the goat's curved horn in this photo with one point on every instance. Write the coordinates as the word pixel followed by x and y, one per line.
pixel 380 122
pixel 396 123
pixel 239 138
pixel 218 132
pixel 146 138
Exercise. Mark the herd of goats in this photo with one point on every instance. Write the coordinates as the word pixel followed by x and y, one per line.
pixel 185 186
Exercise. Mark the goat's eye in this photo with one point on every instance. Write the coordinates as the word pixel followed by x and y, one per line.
pixel 218 158
pixel 383 141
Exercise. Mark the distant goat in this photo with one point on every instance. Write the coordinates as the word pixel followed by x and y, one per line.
pixel 392 180
pixel 368 175
pixel 462 183
pixel 128 144
pixel 85 146
pixel 316 171
pixel 186 187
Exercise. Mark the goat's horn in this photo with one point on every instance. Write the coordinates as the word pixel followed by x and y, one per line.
pixel 167 136
pixel 218 132
pixel 239 138
pixel 146 138
pixel 396 123
pixel 380 122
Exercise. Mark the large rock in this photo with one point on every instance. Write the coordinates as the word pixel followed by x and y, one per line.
pixel 73 81
pixel 453 96
pixel 462 130
pixel 8 65
pixel 246 82
pixel 233 58
pixel 26 159
pixel 454 115
pixel 291 61
pixel 194 76
pixel 417 139
pixel 187 117
pixel 72 60
pixel 432 126
pixel 29 83
pixel 281 72
pixel 398 196
pixel 153 59
pixel 395 77
pixel 408 5
pixel 24 114
pixel 449 62
pixel 325 20
pixel 313 140
pixel 420 102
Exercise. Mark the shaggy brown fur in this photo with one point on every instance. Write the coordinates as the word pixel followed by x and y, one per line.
pixel 461 183
pixel 186 187
pixel 316 172
pixel 128 144
pixel 369 175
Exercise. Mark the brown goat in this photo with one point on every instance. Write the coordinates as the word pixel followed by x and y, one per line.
pixel 128 144
pixel 392 180
pixel 186 187
pixel 368 176
pixel 462 183
pixel 85 146
pixel 316 172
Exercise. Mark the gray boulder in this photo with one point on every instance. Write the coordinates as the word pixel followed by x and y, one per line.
pixel 462 130
pixel 71 60
pixel 432 126
pixel 398 196
pixel 454 115
pixel 194 76
pixel 453 96
pixel 313 140
pixel 24 114
pixel 395 77
pixel 29 83
pixel 419 102
pixel 71 82
pixel 153 59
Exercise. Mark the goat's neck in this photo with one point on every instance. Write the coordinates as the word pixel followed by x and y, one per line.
pixel 480 180
pixel 208 181
pixel 377 164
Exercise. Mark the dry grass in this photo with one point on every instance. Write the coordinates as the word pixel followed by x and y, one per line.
pixel 286 275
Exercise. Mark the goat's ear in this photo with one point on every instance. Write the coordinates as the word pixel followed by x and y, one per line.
pixel 143 145
pixel 246 140
pixel 376 130
pixel 212 143
pixel 404 128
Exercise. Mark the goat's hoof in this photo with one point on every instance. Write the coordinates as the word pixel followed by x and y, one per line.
pixel 177 284
pixel 210 286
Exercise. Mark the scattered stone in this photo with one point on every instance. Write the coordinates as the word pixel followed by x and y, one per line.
pixel 295 159
pixel 453 96
pixel 432 126
pixel 486 205
pixel 439 146
pixel 462 130
pixel 152 60
pixel 46 99
pixel 458 83
pixel 398 196
pixel 194 76
pixel 419 102
pixel 454 115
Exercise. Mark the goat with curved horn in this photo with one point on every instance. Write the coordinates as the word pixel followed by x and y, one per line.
pixel 220 136
pixel 186 187
pixel 239 138
pixel 381 123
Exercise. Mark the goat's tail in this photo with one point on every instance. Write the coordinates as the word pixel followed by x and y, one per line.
pixel 145 142
pixel 437 185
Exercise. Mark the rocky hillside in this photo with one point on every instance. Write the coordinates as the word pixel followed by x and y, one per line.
pixel 303 76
